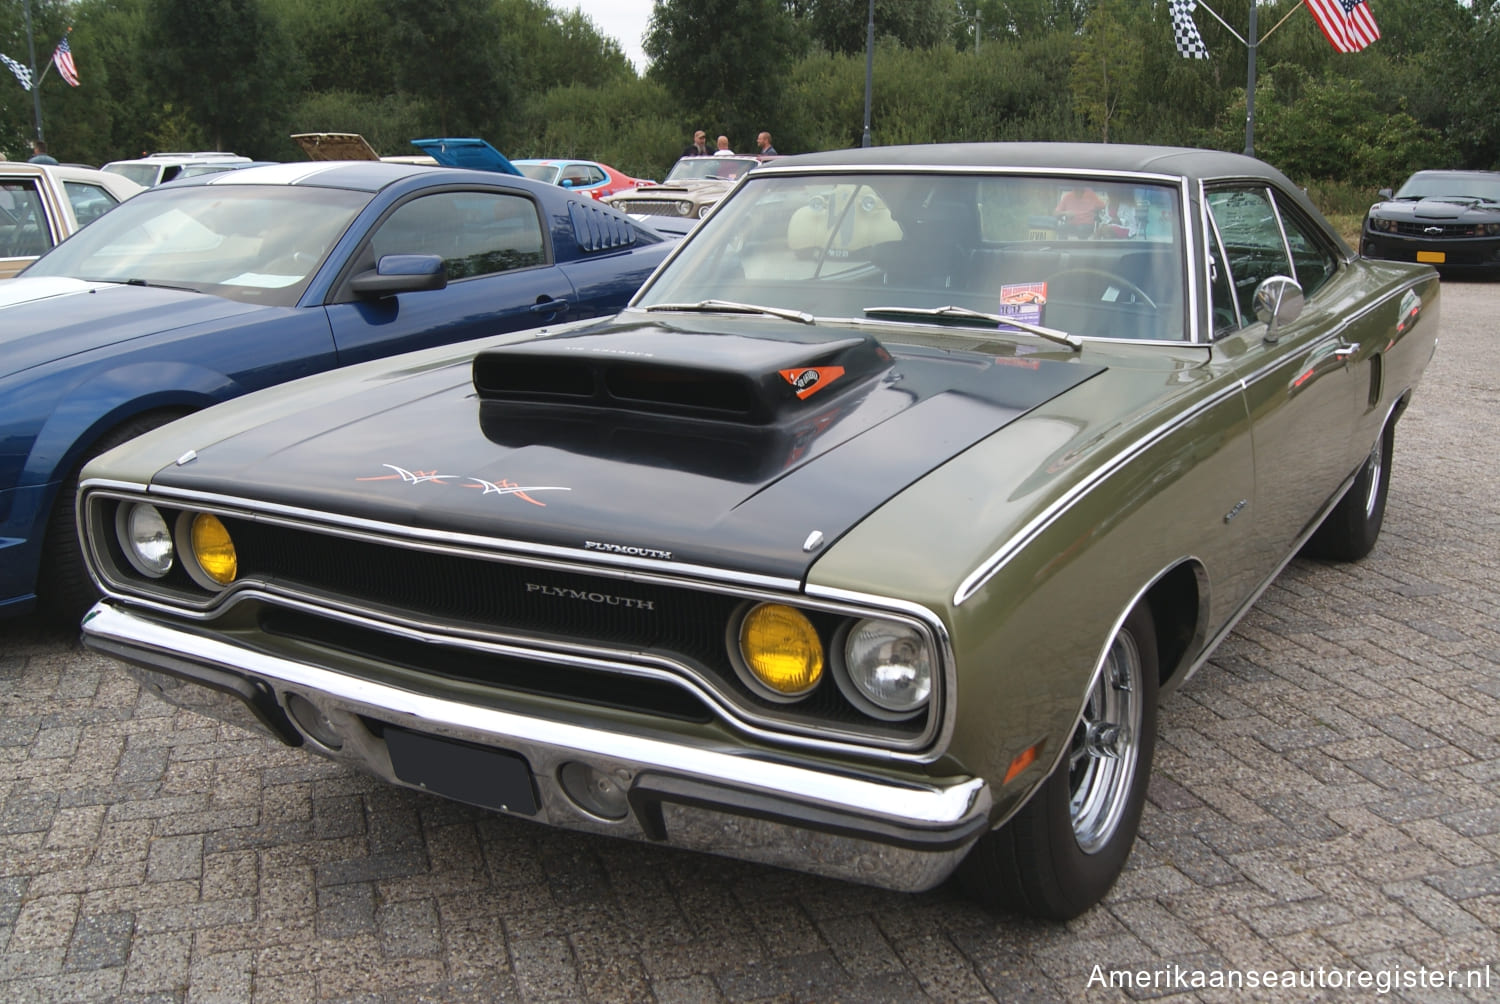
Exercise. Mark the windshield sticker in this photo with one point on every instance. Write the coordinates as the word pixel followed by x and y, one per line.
pixel 263 280
pixel 808 380
pixel 1024 301
pixel 502 487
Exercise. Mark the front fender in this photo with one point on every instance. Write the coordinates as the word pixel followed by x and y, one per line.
pixel 85 410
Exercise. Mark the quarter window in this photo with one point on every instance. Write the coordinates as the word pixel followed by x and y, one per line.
pixel 475 233
pixel 89 201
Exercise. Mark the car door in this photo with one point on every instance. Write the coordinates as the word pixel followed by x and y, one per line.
pixel 501 275
pixel 1306 381
pixel 30 222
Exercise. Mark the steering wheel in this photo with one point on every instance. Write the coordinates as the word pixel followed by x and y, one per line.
pixel 1114 278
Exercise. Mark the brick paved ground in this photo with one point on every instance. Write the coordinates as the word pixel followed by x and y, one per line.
pixel 1327 794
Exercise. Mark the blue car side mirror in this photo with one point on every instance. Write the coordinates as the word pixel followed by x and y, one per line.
pixel 401 273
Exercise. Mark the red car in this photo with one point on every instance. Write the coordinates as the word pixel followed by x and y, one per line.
pixel 591 177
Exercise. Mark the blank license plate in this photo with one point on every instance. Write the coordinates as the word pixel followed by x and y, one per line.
pixel 490 778
pixel 1432 257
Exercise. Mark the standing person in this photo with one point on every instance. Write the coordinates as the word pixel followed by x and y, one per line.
pixel 699 146
pixel 764 142
pixel 1077 211
pixel 723 150
pixel 39 154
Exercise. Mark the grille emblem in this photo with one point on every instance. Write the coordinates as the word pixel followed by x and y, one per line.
pixel 1434 231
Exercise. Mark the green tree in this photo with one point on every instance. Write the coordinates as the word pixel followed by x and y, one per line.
pixel 724 61
pixel 227 63
pixel 842 26
pixel 1106 66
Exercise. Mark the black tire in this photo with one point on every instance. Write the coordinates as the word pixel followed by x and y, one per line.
pixel 1350 529
pixel 1065 848
pixel 64 590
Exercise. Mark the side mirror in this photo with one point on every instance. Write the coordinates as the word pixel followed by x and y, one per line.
pixel 1278 301
pixel 401 273
pixel 1387 194
pixel 566 183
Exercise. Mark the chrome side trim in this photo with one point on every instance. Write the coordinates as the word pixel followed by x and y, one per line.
pixel 991 566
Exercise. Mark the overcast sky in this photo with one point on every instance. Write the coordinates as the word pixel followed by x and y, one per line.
pixel 623 20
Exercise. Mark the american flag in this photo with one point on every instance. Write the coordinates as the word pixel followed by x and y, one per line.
pixel 62 58
pixel 1348 24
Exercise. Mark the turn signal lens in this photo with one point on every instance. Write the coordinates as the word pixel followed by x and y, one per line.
pixel 213 549
pixel 781 649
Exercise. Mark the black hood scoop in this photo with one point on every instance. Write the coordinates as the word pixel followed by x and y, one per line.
pixel 661 371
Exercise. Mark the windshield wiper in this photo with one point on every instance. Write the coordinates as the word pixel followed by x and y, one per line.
pixel 152 283
pixel 731 307
pixel 965 314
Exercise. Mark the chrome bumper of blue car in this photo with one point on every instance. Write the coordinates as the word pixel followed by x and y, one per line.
pixel 861 827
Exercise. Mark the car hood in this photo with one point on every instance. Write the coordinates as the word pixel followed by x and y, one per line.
pixel 702 446
pixel 668 188
pixel 1451 207
pixel 45 318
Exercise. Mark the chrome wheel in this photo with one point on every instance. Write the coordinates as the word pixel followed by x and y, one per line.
pixel 1106 747
pixel 1376 487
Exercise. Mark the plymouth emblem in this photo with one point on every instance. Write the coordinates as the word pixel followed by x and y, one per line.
pixel 502 487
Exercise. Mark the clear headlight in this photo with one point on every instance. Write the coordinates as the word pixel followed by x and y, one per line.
pixel 703 211
pixel 780 652
pixel 684 209
pixel 887 668
pixel 145 538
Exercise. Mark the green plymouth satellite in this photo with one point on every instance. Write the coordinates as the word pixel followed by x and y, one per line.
pixel 864 542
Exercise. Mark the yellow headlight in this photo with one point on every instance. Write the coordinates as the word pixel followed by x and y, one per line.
pixel 213 549
pixel 781 649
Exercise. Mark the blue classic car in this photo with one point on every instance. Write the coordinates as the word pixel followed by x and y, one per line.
pixel 205 289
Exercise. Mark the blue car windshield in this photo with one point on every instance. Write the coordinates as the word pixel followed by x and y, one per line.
pixel 256 243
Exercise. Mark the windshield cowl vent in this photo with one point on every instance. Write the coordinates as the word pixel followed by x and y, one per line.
pixel 752 381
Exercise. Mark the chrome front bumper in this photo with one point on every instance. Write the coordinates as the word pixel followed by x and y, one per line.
pixel 862 827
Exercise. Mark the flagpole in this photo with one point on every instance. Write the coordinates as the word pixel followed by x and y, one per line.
pixel 1250 87
pixel 36 89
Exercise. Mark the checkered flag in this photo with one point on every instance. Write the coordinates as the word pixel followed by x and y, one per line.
pixel 1185 32
pixel 23 73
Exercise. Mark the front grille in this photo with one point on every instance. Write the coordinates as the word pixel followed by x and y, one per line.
pixel 645 208
pixel 1415 229
pixel 619 619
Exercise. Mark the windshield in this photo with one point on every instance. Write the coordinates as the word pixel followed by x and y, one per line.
pixel 710 168
pixel 1102 258
pixel 539 172
pixel 256 243
pixel 142 174
pixel 1425 185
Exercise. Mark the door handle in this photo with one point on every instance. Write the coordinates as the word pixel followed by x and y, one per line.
pixel 548 306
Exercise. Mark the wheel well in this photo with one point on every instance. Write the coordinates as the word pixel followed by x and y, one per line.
pixel 1178 602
